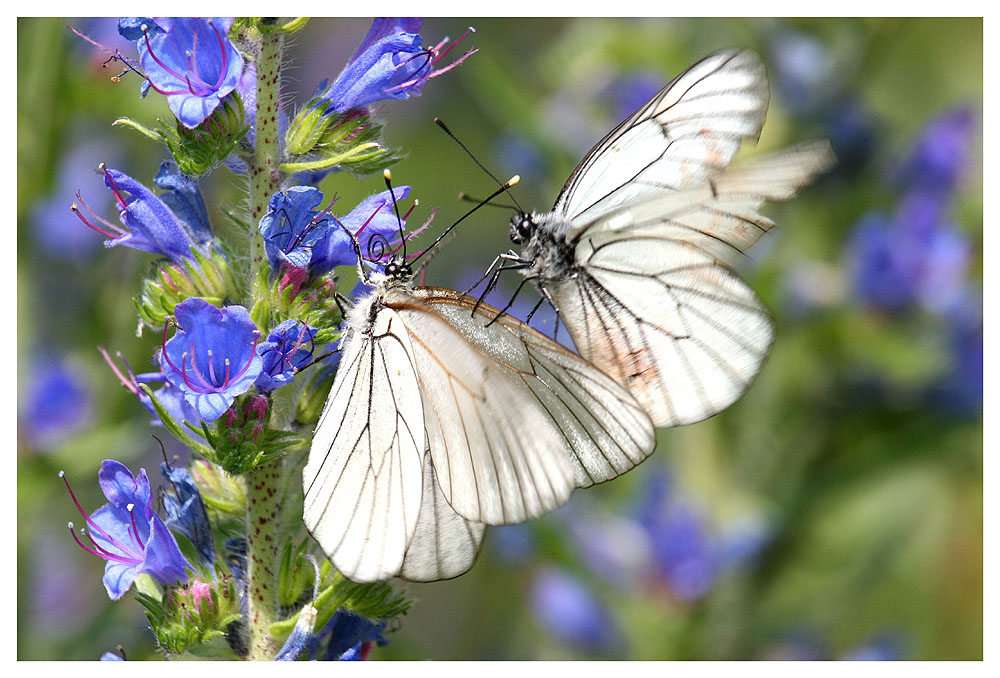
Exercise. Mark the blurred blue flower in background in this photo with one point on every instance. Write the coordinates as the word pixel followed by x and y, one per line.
pixel 568 610
pixel 689 553
pixel 803 69
pixel 941 154
pixel 917 256
pixel 960 389
pixel 57 232
pixel 627 93
pixel 57 402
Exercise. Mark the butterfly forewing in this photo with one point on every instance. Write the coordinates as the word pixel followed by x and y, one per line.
pixel 364 478
pixel 690 129
pixel 444 544
pixel 604 429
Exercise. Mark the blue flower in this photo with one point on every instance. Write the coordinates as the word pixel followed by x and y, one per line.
pixel 111 657
pixel 190 60
pixel 688 553
pixel 186 511
pixel 803 71
pixel 128 534
pixel 389 64
pixel 300 636
pixel 960 389
pixel 292 225
pixel 150 225
pixel 213 356
pixel 297 235
pixel 373 222
pixel 941 153
pixel 628 93
pixel 345 632
pixel 913 257
pixel 288 348
pixel 58 402
pixel 183 197
pixel 569 611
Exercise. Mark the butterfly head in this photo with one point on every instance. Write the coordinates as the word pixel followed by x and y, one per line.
pixel 397 268
pixel 522 227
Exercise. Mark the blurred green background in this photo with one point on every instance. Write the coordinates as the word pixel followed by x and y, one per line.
pixel 834 512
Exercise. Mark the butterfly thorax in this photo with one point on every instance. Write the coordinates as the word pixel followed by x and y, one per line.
pixel 549 248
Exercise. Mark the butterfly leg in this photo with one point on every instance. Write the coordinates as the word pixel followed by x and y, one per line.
pixel 552 302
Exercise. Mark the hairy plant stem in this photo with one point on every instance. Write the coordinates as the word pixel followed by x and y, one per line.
pixel 263 482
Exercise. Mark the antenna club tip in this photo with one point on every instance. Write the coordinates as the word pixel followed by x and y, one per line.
pixel 387 174
pixel 513 180
pixel 472 29
pixel 62 474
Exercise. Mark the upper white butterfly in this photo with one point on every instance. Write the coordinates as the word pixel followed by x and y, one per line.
pixel 634 254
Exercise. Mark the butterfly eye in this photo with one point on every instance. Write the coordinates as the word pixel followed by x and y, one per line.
pixel 521 228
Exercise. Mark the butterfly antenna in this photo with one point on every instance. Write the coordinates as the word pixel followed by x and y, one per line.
pixel 395 207
pixel 468 198
pixel 505 187
pixel 437 121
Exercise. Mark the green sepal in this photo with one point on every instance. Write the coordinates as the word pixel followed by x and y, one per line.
pixel 183 622
pixel 142 129
pixel 207 274
pixel 176 429
pixel 241 441
pixel 306 129
pixel 377 600
pixel 348 141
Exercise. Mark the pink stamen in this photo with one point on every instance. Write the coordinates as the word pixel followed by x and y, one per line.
pixel 76 211
pixel 441 55
pixel 92 524
pixel 130 384
pixel 114 186
pixel 149 48
pixel 222 48
pixel 365 225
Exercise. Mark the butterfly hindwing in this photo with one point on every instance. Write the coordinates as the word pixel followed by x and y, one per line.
pixel 605 430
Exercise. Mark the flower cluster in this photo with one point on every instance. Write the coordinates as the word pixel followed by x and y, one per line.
pixel 223 384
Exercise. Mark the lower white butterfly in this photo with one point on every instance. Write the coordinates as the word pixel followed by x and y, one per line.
pixel 634 255
pixel 439 423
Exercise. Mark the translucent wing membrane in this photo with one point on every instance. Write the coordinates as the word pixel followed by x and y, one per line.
pixel 604 430
pixel 682 333
pixel 444 544
pixel 653 305
pixel 690 129
pixel 364 479
pixel 499 458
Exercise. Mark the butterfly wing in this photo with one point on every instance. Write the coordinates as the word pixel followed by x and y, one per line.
pixel 499 458
pixel 445 544
pixel 654 306
pixel 691 129
pixel 364 478
pixel 605 430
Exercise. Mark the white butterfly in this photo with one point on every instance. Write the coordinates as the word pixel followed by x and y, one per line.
pixel 439 423
pixel 634 254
